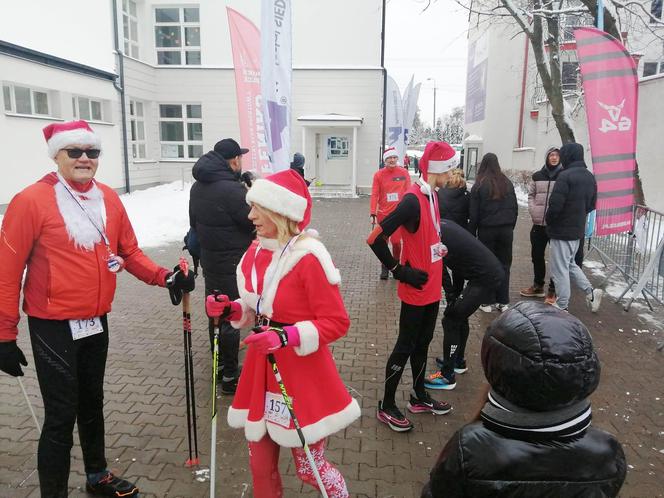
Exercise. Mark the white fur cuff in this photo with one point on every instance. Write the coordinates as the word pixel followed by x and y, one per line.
pixel 308 338
pixel 247 319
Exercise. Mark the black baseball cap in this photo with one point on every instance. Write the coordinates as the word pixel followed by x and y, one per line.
pixel 229 148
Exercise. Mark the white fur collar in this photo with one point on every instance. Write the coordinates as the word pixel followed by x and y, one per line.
pixel 80 229
pixel 279 267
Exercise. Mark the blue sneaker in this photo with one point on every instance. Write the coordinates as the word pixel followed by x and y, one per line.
pixel 438 381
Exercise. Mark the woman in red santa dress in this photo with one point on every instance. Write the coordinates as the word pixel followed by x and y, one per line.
pixel 287 280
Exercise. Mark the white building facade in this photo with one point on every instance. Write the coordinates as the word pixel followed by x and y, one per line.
pixel 179 86
pixel 507 112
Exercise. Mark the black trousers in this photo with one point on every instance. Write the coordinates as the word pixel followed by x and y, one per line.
pixel 416 326
pixel 499 241
pixel 538 241
pixel 229 339
pixel 71 380
pixel 455 323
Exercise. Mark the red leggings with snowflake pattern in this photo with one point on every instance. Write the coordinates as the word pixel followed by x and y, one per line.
pixel 264 462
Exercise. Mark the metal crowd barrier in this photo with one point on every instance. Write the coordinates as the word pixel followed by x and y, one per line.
pixel 637 256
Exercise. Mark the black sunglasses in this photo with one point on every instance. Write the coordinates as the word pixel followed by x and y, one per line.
pixel 76 153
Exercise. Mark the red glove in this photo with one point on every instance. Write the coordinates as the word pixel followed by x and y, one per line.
pixel 219 306
pixel 269 339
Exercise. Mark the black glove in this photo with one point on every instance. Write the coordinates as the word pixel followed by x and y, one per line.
pixel 179 283
pixel 11 359
pixel 411 276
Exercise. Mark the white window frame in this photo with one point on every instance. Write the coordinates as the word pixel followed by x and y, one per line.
pixel 139 147
pixel 338 147
pixel 130 42
pixel 33 90
pixel 182 25
pixel 76 108
pixel 185 120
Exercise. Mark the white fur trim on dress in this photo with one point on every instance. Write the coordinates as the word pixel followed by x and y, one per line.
pixel 278 199
pixel 80 229
pixel 309 338
pixel 72 137
pixel 247 319
pixel 437 167
pixel 280 267
pixel 255 430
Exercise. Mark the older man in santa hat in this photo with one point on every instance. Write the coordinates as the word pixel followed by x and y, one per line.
pixel 73 235
pixel 389 186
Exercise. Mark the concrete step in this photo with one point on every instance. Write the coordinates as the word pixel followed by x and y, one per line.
pixel 332 192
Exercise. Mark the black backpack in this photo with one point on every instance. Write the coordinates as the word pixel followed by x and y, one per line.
pixel 192 245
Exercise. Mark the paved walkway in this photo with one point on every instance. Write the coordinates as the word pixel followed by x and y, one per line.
pixel 145 408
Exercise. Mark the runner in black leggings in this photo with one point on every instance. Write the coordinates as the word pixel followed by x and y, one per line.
pixel 468 257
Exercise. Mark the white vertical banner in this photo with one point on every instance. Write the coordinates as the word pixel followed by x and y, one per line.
pixel 394 119
pixel 410 108
pixel 276 73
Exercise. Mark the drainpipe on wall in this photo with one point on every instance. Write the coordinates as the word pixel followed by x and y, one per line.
pixel 523 94
pixel 382 65
pixel 121 88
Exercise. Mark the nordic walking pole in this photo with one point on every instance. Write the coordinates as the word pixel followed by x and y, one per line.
pixel 27 400
pixel 213 432
pixel 189 371
pixel 289 405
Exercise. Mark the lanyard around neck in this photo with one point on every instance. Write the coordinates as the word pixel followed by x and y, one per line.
pixel 432 205
pixel 266 285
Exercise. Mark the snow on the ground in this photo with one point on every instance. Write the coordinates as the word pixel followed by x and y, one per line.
pixel 615 287
pixel 521 195
pixel 159 215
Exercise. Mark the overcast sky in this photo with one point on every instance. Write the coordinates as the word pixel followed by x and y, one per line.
pixel 429 44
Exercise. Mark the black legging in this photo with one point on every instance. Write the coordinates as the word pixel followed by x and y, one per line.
pixel 416 326
pixel 499 241
pixel 71 380
pixel 455 323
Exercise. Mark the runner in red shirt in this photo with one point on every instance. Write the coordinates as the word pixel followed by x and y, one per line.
pixel 389 186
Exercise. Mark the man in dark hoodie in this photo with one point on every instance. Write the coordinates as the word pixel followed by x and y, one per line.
pixel 574 196
pixel 219 213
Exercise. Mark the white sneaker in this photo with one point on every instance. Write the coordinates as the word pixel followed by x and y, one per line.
pixel 594 299
pixel 502 307
pixel 487 308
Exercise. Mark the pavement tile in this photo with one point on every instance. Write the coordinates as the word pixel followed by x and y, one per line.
pixel 144 387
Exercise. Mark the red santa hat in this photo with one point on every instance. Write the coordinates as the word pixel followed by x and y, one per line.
pixel 390 152
pixel 285 193
pixel 60 135
pixel 438 157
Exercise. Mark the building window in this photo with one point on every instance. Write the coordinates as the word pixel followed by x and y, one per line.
pixel 181 131
pixel 137 129
pixel 25 100
pixel 337 147
pixel 130 28
pixel 570 71
pixel 87 108
pixel 652 68
pixel 656 10
pixel 178 36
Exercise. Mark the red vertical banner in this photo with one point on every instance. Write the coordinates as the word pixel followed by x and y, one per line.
pixel 246 45
pixel 610 85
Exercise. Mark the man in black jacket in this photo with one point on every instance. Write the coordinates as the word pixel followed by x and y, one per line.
pixel 574 196
pixel 219 213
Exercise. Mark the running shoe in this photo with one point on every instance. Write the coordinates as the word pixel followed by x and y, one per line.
pixel 438 381
pixel 426 404
pixel 112 486
pixel 393 418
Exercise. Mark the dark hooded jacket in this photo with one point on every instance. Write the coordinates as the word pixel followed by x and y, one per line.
pixel 487 212
pixel 219 213
pixel 454 204
pixel 574 196
pixel 534 437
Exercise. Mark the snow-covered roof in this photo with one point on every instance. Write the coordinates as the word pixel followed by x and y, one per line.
pixel 473 138
pixel 330 117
